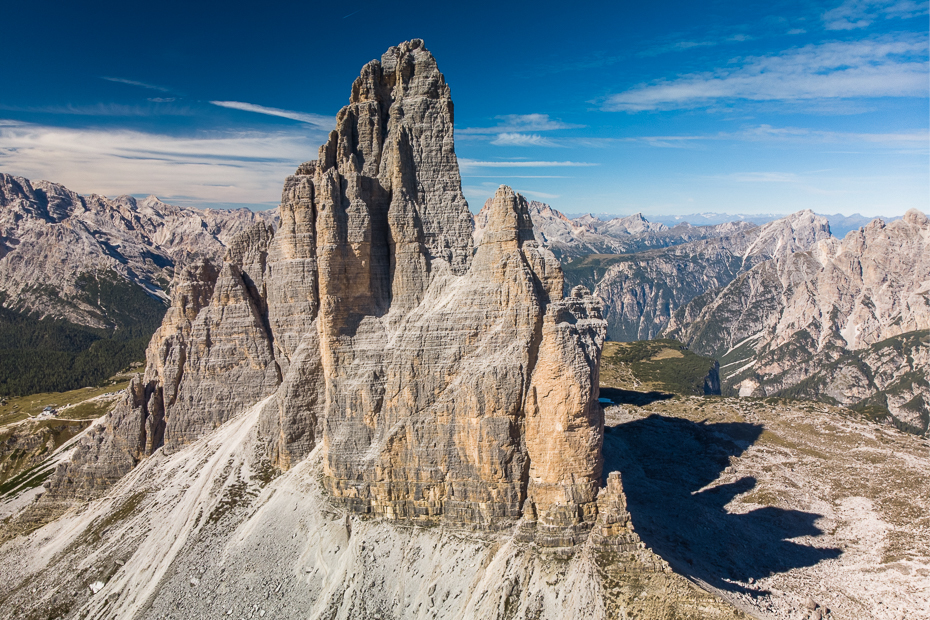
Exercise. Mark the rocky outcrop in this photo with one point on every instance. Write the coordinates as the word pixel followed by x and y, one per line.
pixel 796 317
pixel 444 382
pixel 52 241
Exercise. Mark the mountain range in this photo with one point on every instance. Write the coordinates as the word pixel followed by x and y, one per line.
pixel 373 404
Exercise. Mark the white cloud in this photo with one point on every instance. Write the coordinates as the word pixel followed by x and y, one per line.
pixel 854 14
pixel 246 168
pixel 520 123
pixel 106 109
pixel 136 83
pixel 323 122
pixel 467 164
pixel 767 132
pixel 869 68
pixel 522 139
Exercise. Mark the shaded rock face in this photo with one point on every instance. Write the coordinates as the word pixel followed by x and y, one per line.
pixel 444 381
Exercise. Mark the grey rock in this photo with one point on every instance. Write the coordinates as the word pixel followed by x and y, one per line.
pixel 445 382
pixel 845 321
pixel 50 236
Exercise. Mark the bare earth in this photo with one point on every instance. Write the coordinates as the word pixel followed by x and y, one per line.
pixel 770 502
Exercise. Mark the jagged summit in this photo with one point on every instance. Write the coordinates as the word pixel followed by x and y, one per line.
pixel 442 381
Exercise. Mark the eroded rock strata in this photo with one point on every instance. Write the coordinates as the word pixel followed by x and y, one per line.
pixel 445 381
pixel 844 321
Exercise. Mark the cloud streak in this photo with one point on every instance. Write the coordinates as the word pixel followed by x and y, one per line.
pixel 522 139
pixel 516 123
pixel 245 168
pixel 470 164
pixel 853 14
pixel 836 70
pixel 319 120
pixel 136 83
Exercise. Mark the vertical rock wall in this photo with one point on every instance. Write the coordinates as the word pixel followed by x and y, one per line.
pixel 444 381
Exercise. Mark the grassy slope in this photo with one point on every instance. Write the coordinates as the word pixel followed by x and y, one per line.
pixel 654 365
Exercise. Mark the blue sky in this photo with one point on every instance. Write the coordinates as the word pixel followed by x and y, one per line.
pixel 619 107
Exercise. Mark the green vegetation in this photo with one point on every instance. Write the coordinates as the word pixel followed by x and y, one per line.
pixel 658 365
pixel 53 355
pixel 26 480
pixel 19 408
pixel 589 269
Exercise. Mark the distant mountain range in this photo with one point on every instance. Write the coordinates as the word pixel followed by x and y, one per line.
pixel 787 308
pixel 844 321
pixel 840 224
pixel 84 280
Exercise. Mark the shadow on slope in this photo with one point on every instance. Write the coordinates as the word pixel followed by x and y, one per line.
pixel 666 462
pixel 616 396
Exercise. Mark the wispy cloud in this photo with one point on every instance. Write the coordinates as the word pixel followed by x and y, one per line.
pixel 162 99
pixel 468 164
pixel 919 138
pixel 522 139
pixel 520 123
pixel 247 168
pixel 105 109
pixel 321 121
pixel 853 14
pixel 683 46
pixel 136 83
pixel 881 67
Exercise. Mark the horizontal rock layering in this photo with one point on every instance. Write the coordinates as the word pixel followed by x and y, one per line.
pixel 444 380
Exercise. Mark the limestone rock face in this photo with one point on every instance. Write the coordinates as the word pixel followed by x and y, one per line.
pixel 443 381
pixel 641 293
pixel 50 237
pixel 828 310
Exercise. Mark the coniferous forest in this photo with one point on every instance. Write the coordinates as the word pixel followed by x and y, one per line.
pixel 54 355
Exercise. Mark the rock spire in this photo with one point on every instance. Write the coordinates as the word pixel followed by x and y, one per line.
pixel 443 381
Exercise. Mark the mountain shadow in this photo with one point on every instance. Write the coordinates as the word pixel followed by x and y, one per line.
pixel 616 396
pixel 665 462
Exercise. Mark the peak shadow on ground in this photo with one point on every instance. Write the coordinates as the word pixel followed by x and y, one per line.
pixel 616 396
pixel 666 464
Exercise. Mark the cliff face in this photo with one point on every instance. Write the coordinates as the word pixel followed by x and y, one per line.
pixel 443 381
pixel 834 317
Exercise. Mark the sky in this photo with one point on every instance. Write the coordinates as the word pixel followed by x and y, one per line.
pixel 603 107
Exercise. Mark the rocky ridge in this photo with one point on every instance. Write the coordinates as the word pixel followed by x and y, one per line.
pixel 444 382
pixel 792 323
pixel 573 238
pixel 641 292
pixel 52 240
